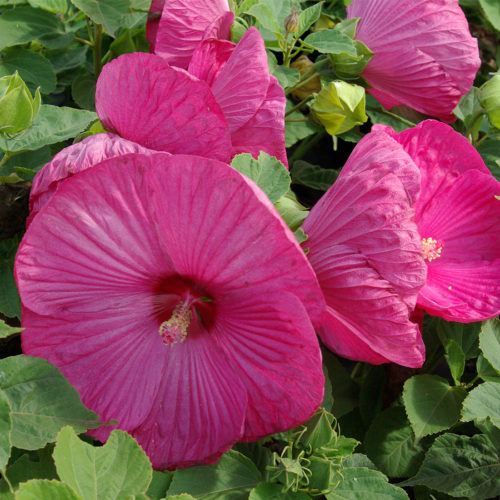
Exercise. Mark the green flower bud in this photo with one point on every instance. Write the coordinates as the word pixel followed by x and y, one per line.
pixel 489 96
pixel 340 106
pixel 17 107
pixel 291 22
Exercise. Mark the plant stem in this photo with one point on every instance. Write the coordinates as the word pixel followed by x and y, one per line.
pixel 392 115
pixel 82 40
pixel 298 106
pixel 4 160
pixel 473 119
pixel 98 32
pixel 305 146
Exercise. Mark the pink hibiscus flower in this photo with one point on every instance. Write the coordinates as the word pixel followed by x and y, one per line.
pixel 227 104
pixel 177 303
pixel 175 28
pixel 365 249
pixel 425 56
pixel 458 218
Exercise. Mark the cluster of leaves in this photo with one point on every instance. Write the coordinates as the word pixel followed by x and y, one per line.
pixel 435 432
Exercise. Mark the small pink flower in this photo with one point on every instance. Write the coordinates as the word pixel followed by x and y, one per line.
pixel 176 27
pixel 458 218
pixel 173 297
pixel 425 56
pixel 365 249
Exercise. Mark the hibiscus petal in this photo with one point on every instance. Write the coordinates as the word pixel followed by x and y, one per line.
pixel 242 84
pixel 425 57
pixel 209 58
pixel 271 341
pixel 144 100
pixel 265 131
pixel 223 229
pixel 182 26
pixel 74 159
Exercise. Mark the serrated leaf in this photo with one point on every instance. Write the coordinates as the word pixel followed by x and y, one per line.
pixel 43 489
pixel 231 478
pixel 483 402
pixel 42 402
pixel 308 17
pixel 360 483
pixel 312 176
pixel 5 428
pixel 109 14
pixel 390 443
pixel 491 9
pixel 331 41
pixel 53 124
pixel 51 5
pixel 113 471
pixel 34 69
pixel 460 466
pixel 267 172
pixel 489 342
pixel 10 303
pixel 7 331
pixel 455 358
pixel 465 335
pixel 273 491
pixel 24 24
pixel 431 404
pixel 265 17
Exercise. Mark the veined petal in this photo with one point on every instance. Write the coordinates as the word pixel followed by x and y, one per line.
pixel 209 58
pixel 144 100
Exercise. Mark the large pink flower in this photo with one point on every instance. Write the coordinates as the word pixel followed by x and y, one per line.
pixel 365 249
pixel 176 27
pixel 458 217
pixel 173 297
pixel 227 104
pixel 425 56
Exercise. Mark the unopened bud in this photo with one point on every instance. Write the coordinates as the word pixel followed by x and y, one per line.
pixel 304 64
pixel 340 106
pixel 291 22
pixel 17 107
pixel 489 97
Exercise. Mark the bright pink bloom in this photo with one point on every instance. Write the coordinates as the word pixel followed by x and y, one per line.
pixel 365 249
pixel 76 158
pixel 175 28
pixel 174 298
pixel 425 56
pixel 458 217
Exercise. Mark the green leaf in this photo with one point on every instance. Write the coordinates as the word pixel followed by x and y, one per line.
pixel 51 5
pixel 361 483
pixel 272 491
pixel 490 153
pixel 43 489
pixel 53 124
pixel 159 484
pixel 331 41
pixel 24 24
pixel 83 91
pixel 291 211
pixel 286 76
pixel 465 335
pixel 312 176
pixel 63 60
pixel 267 172
pixel 390 443
pixel 5 428
pixel 34 69
pixel 265 17
pixel 182 496
pixel 468 105
pixel 491 9
pixel 485 370
pixel 431 404
pixel 115 470
pixel 231 478
pixel 42 401
pixel 10 303
pixel 7 331
pixel 455 358
pixel 109 14
pixel 298 130
pixel 308 17
pixel 461 466
pixel 489 342
pixel 483 402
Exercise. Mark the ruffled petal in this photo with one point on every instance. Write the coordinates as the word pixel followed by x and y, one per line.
pixel 223 229
pixel 209 58
pixel 265 131
pixel 182 26
pixel 272 343
pixel 144 100
pixel 76 158
pixel 424 58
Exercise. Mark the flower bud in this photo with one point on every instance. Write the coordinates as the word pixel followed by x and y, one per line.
pixel 304 64
pixel 489 97
pixel 17 107
pixel 291 22
pixel 340 106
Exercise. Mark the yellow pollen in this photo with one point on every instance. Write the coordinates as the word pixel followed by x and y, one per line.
pixel 431 248
pixel 174 330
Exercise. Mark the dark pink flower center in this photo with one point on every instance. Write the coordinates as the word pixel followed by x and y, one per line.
pixel 183 308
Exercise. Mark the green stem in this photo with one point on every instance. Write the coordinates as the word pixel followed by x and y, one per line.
pixel 307 76
pixel 298 106
pixel 305 146
pixel 356 369
pixel 82 40
pixel 89 30
pixel 98 32
pixel 392 115
pixel 301 83
pixel 481 140
pixel 11 489
pixel 473 119
pixel 472 382
pixel 4 160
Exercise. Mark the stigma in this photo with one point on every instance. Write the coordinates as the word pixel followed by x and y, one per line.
pixel 175 330
pixel 432 249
